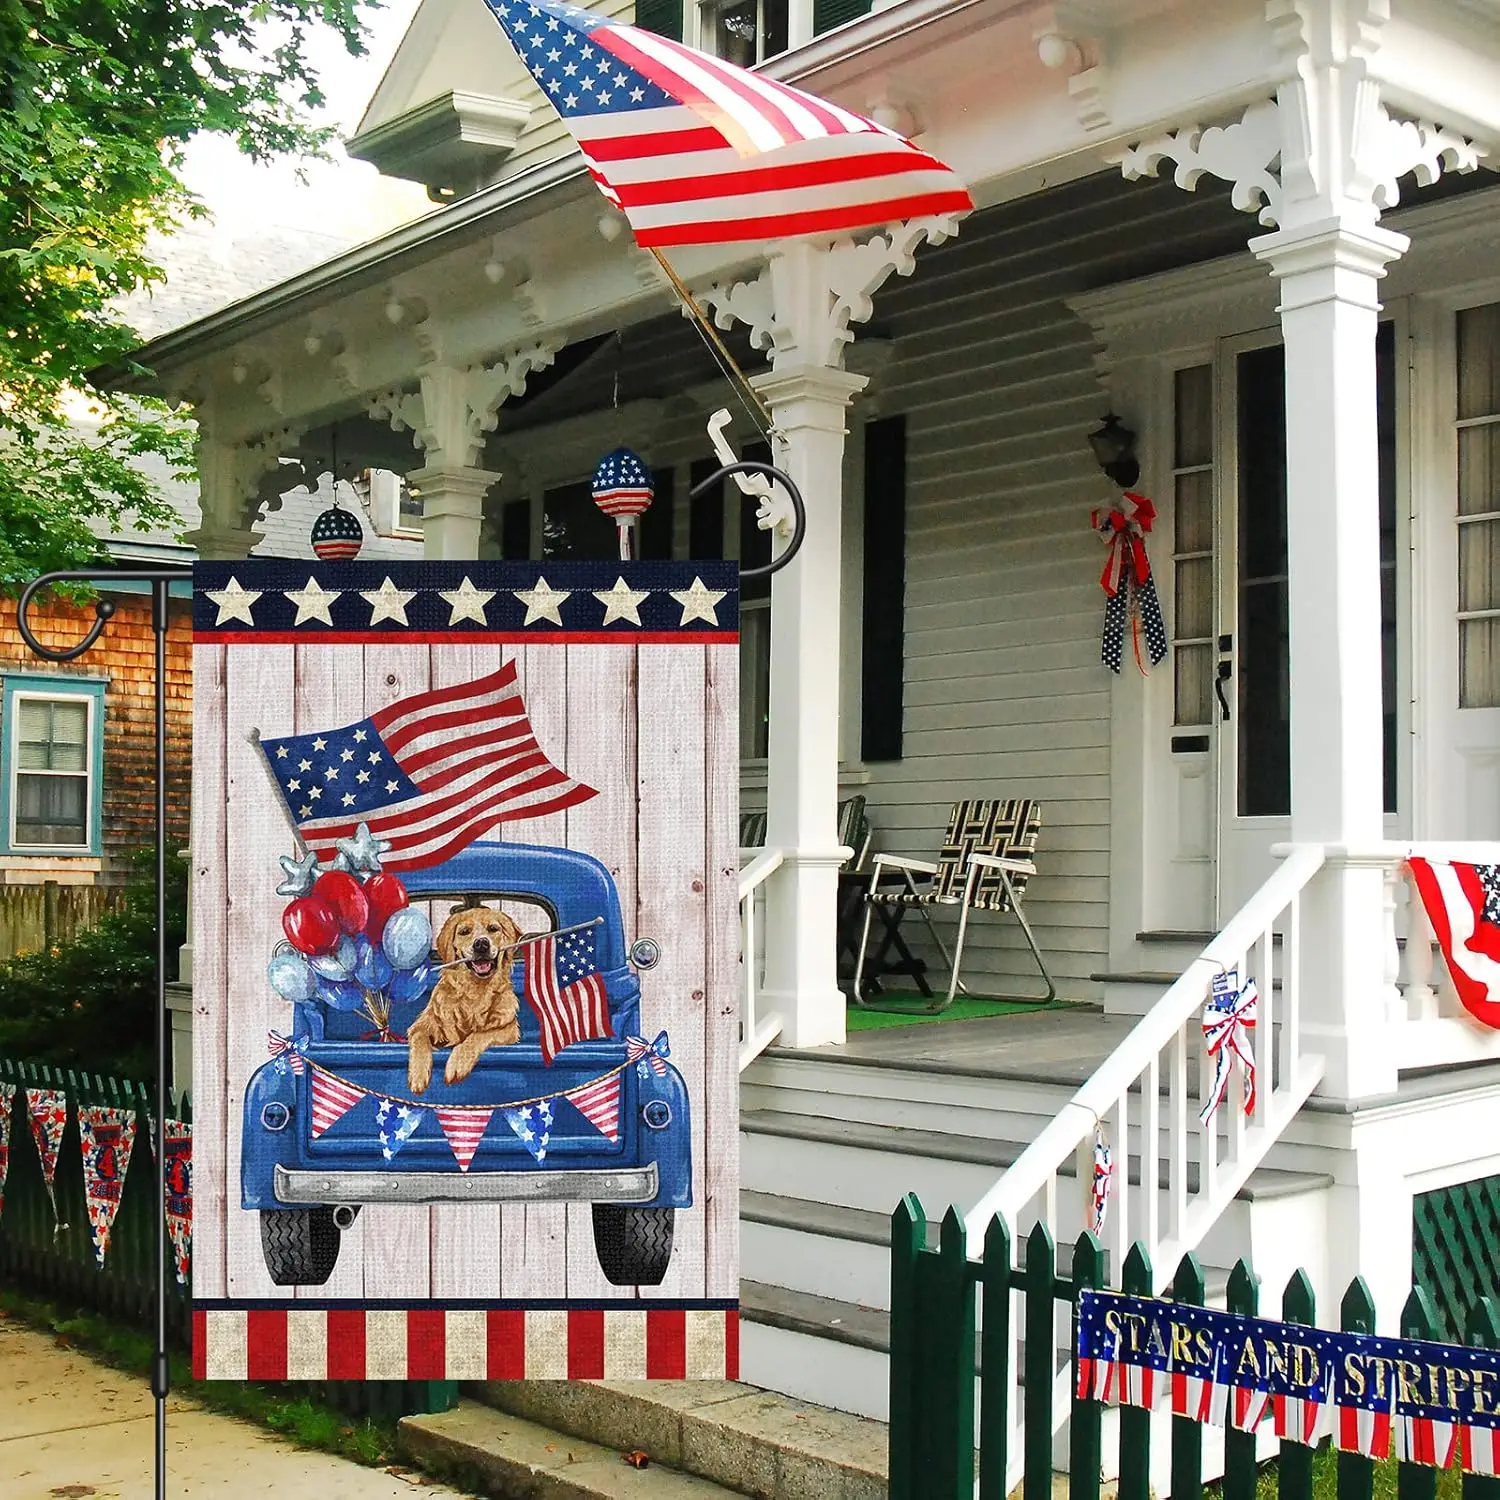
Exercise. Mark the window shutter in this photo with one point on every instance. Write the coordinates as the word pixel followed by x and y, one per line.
pixel 882 656
pixel 664 17
pixel 830 13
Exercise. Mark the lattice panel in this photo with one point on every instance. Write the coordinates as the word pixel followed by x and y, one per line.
pixel 1456 1248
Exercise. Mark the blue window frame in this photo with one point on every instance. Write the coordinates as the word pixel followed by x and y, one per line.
pixel 51 764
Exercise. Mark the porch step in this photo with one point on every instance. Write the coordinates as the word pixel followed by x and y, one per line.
pixel 722 1436
pixel 499 1454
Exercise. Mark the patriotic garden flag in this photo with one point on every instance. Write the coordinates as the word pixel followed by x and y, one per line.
pixel 697 151
pixel 7 1102
pixel 179 1204
pixel 106 1136
pixel 466 836
pixel 1463 904
pixel 48 1109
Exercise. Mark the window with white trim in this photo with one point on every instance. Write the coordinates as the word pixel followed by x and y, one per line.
pixel 54 773
pixel 744 32
pixel 1193 654
pixel 1478 433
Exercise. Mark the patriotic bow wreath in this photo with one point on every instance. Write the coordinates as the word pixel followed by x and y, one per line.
pixel 1228 1020
pixel 1129 589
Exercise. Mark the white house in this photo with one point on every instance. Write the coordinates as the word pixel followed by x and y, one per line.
pixel 1263 233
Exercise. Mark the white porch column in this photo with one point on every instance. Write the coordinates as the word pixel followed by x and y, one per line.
pixel 449 416
pixel 1329 272
pixel 808 405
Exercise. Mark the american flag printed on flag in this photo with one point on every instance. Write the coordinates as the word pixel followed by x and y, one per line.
pixel 566 991
pixel 698 151
pixel 1463 904
pixel 429 773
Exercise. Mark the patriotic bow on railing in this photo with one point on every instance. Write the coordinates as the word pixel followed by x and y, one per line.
pixel 652 1054
pixel 1130 590
pixel 1228 1020
pixel 1104 1171
pixel 287 1052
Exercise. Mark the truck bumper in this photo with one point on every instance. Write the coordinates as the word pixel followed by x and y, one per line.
pixel 626 1185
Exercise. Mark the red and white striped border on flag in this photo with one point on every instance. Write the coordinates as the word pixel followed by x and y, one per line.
pixel 639 1342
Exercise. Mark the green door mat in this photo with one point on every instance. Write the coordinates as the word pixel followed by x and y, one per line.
pixel 964 1008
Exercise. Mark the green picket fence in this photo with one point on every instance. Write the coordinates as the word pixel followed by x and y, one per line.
pixel 59 1263
pixel 939 1298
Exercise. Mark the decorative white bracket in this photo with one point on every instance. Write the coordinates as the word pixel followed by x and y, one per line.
pixel 773 512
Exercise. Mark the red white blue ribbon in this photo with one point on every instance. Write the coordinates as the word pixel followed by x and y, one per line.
pixel 1228 1020
pixel 644 1053
pixel 1103 1180
pixel 1130 590
pixel 287 1052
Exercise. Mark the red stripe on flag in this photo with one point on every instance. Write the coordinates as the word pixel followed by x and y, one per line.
pixel 732 1344
pixel 656 143
pixel 666 1344
pixel 586 1343
pixel 346 1344
pixel 426 1343
pixel 200 1344
pixel 780 178
pixel 419 703
pixel 505 1341
pixel 265 1343
pixel 811 221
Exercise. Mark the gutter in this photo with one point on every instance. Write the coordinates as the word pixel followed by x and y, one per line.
pixel 365 262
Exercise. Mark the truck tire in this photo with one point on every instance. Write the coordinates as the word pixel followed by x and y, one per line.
pixel 633 1244
pixel 301 1245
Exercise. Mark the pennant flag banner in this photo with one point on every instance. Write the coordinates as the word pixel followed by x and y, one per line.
pixel 179 1189
pixel 470 832
pixel 48 1109
pixel 106 1136
pixel 7 1104
pixel 1381 1397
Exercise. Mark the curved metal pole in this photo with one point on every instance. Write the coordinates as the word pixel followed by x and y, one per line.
pixel 161 581
pixel 799 510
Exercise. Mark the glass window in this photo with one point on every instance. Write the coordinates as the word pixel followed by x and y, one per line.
pixel 1478 426
pixel 745 32
pixel 1193 548
pixel 51 756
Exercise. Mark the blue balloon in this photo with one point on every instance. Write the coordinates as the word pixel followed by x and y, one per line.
pixel 407 937
pixel 411 984
pixel 290 977
pixel 346 953
pixel 340 996
pixel 373 969
pixel 328 966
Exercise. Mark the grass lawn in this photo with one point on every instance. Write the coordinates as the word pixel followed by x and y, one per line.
pixel 285 1410
pixel 1325 1467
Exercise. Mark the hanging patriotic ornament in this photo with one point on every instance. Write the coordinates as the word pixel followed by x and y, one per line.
pixel 532 1124
pixel 179 1189
pixel 106 1136
pixel 1102 1181
pixel 648 1057
pixel 599 1104
pixel 1228 1020
pixel 1129 588
pixel 623 490
pixel 337 534
pixel 7 1102
pixel 397 1124
pixel 48 1109
pixel 465 1129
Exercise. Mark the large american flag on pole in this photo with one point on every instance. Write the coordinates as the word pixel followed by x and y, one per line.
pixel 698 151
pixel 565 990
pixel 430 773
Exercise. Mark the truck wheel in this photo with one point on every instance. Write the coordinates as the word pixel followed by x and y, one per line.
pixel 301 1245
pixel 633 1244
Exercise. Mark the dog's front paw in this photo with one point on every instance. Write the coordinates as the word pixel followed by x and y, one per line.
pixel 419 1074
pixel 460 1065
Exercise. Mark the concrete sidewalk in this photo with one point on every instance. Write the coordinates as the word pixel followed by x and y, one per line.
pixel 71 1428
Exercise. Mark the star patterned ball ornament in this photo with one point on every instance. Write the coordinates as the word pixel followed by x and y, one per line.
pixel 622 484
pixel 337 535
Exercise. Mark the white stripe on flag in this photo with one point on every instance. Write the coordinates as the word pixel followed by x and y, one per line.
pixel 465 1129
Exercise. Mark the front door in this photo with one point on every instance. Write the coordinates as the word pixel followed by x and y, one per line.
pixel 1251 709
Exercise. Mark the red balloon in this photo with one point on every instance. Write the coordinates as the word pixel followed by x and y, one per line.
pixel 385 895
pixel 311 926
pixel 343 895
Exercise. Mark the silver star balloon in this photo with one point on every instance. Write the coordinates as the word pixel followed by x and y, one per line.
pixel 340 861
pixel 300 874
pixel 363 851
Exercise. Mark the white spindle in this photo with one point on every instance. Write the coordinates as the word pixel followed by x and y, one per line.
pixel 1265 1025
pixel 1421 997
pixel 1118 1130
pixel 1151 1157
pixel 1177 1108
pixel 1392 1007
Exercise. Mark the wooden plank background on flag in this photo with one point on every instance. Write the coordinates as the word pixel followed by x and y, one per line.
pixel 664 822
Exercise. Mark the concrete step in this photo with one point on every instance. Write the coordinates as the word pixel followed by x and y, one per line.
pixel 494 1453
pixel 732 1436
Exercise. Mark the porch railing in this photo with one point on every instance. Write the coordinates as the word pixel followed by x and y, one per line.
pixel 757 1031
pixel 1173 1176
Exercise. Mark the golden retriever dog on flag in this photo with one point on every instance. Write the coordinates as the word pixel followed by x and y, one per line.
pixel 474 1005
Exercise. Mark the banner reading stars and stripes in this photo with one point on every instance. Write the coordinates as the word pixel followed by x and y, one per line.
pixel 1382 1397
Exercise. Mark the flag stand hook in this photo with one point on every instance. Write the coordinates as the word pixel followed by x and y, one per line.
pixel 161 580
pixel 794 494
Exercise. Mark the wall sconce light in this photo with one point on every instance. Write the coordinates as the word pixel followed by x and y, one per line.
pixel 1114 451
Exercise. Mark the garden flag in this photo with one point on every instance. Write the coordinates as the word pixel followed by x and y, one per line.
pixel 7 1103
pixel 1463 904
pixel 179 1190
pixel 106 1136
pixel 466 833
pixel 48 1109
pixel 697 151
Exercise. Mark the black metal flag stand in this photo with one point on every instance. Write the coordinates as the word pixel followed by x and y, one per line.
pixel 161 580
